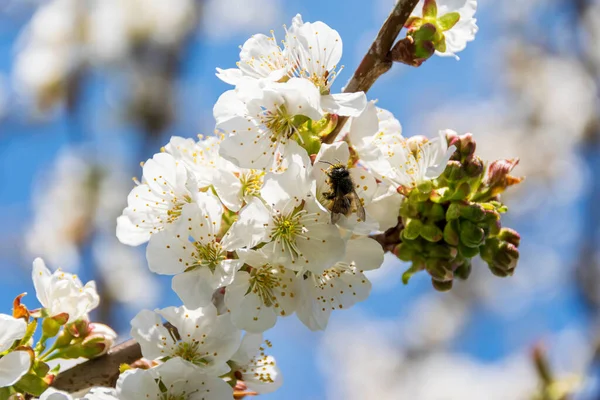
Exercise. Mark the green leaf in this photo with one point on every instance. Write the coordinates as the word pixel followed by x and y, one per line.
pixel 447 22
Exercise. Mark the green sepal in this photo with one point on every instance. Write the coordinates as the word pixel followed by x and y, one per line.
pixel 430 9
pixel 463 271
pixel 32 384
pixel 40 368
pixel 467 252
pixel 440 44
pixel 470 234
pixel 31 327
pixel 451 233
pixel 409 273
pixel 447 21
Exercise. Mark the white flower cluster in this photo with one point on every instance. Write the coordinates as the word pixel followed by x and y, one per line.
pixel 256 223
pixel 65 35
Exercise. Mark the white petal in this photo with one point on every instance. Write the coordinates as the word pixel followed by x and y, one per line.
pixel 385 207
pixel 147 329
pixel 364 253
pixel 13 366
pixel 249 229
pixel 249 347
pixel 137 384
pixel 231 75
pixel 348 104
pixel 168 254
pixel 53 394
pixel 41 277
pixel 195 288
pixel 12 329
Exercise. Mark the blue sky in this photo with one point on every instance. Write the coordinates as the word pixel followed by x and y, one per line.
pixel 28 148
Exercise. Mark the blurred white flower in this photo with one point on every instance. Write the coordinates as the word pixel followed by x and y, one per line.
pixel 223 19
pixel 63 211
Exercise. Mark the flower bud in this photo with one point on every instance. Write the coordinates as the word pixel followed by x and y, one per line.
pixel 510 235
pixel 451 231
pixel 473 167
pixel 431 232
pixel 412 229
pixel 463 270
pixel 454 171
pixel 51 325
pixel 438 270
pixel 441 286
pixel 79 328
pixel 467 146
pixel 442 251
pixel 470 234
pixel 501 256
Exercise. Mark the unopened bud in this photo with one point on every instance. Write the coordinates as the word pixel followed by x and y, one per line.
pixel 51 325
pixel 412 229
pixel 510 235
pixel 470 234
pixel 431 232
pixel 441 286
pixel 79 328
pixel 454 171
pixel 451 233
pixel 442 251
pixel 463 270
pixel 467 146
pixel 501 256
pixel 473 167
pixel 438 269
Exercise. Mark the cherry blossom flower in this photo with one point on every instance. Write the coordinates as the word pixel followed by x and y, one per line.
pixel 256 298
pixel 311 51
pixel 63 293
pixel 156 202
pixel 258 370
pixel 205 339
pixel 393 158
pixel 294 229
pixel 175 379
pixel 200 265
pixel 339 287
pixel 261 120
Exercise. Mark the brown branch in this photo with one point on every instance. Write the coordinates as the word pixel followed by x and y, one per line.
pixel 377 61
pixel 104 371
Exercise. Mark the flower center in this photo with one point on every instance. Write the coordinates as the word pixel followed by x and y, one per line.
pixel 189 352
pixel 252 181
pixel 288 228
pixel 209 255
pixel 175 211
pixel 262 283
pixel 279 123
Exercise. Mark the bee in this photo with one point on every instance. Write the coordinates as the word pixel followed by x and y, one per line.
pixel 342 194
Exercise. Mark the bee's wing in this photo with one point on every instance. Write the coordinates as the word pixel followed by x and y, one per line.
pixel 360 210
pixel 338 208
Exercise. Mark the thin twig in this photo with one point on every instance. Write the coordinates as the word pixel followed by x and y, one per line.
pixel 104 371
pixel 377 61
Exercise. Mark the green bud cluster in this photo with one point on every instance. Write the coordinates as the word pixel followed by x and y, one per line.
pixel 448 221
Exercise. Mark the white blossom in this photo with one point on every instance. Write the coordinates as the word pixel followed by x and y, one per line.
pixel 311 51
pixel 261 119
pixel 206 340
pixel 393 158
pixel 63 293
pixel 53 394
pixel 175 379
pixel 258 370
pixel 339 287
pixel 194 252
pixel 234 186
pixel 295 230
pixel 12 329
pixel 157 201
pixel 257 297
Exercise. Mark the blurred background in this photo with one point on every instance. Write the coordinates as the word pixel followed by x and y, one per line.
pixel 88 89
